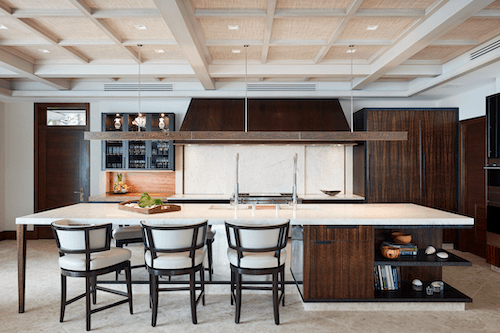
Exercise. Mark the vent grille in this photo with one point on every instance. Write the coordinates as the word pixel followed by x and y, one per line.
pixel 135 87
pixel 485 50
pixel 281 86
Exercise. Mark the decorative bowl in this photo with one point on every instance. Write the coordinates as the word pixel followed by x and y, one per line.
pixel 401 237
pixel 331 193
pixel 390 252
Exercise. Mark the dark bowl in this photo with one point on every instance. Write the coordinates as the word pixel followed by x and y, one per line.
pixel 332 193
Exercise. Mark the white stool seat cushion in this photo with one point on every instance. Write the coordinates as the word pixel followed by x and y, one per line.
pixel 179 260
pixel 256 260
pixel 98 260
pixel 131 232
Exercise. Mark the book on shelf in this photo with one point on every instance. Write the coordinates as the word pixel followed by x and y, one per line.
pixel 404 249
pixel 386 277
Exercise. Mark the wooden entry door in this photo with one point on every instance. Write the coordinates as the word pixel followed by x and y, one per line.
pixel 62 158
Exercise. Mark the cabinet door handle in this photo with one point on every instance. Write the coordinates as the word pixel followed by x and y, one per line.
pixel 323 242
pixel 421 159
pixel 423 171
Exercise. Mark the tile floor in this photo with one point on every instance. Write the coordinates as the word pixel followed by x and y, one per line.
pixel 43 293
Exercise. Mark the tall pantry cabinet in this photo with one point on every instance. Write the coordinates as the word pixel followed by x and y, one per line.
pixel 422 170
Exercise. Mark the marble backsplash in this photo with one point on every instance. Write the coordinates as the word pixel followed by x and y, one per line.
pixel 266 168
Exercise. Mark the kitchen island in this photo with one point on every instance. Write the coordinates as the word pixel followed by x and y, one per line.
pixel 358 220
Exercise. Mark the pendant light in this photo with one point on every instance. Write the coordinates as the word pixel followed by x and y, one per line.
pixel 246 87
pixel 140 120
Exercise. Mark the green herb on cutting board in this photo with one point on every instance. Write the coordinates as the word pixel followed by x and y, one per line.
pixel 147 201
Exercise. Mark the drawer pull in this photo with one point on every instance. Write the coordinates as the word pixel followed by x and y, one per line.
pixel 323 242
pixel 342 227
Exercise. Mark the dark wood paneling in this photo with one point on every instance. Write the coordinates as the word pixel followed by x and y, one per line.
pixel 214 115
pixel 472 184
pixel 338 262
pixel 296 115
pixel 359 169
pixel 493 255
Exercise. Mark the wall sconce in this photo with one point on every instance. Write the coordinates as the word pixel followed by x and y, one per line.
pixel 118 121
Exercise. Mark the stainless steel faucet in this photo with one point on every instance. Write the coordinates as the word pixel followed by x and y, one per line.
pixel 294 186
pixel 236 185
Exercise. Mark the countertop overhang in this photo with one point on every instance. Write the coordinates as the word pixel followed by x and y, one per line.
pixel 381 215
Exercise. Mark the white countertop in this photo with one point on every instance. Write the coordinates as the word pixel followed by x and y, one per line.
pixel 307 214
pixel 324 197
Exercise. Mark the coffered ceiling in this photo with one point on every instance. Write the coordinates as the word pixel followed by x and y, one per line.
pixel 405 46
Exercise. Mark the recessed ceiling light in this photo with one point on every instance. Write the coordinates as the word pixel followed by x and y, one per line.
pixel 236 51
pixel 3 27
pixel 233 27
pixel 141 27
pixel 372 27
pixel 159 51
pixel 44 50
pixel 351 51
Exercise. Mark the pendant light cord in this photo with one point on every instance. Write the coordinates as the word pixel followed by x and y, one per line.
pixel 246 88
pixel 138 125
pixel 352 85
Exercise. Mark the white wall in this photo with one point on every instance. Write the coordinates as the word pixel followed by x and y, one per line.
pixel 2 166
pixel 471 103
pixel 19 162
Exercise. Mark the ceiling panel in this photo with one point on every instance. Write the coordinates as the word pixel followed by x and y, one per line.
pixel 330 79
pixel 442 53
pixel 304 28
pixel 226 52
pixel 149 52
pixel 102 52
pixel 126 28
pixel 396 4
pixel 248 28
pixel 229 4
pixel 481 29
pixel 36 53
pixel 293 52
pixel 70 28
pixel 363 52
pixel 119 4
pixel 39 4
pixel 17 30
pixel 395 79
pixel 312 4
pixel 388 28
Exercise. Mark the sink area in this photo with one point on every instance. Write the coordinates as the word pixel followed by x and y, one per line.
pixel 264 207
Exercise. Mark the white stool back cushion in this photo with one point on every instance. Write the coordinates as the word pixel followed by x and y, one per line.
pixel 256 239
pixel 166 239
pixel 75 240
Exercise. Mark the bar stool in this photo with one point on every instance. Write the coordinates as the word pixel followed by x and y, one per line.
pixel 257 250
pixel 175 250
pixel 210 241
pixel 84 251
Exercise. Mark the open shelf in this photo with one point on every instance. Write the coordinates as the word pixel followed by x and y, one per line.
pixel 421 259
pixel 407 294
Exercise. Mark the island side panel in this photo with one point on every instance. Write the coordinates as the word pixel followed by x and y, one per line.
pixel 338 262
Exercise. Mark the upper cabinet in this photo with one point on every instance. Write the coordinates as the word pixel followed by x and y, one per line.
pixel 422 170
pixel 138 154
pixel 493 123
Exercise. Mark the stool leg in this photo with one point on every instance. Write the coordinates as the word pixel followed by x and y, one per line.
pixel 94 290
pixel 202 280
pixel 192 293
pixel 88 288
pixel 238 298
pixel 232 287
pixel 276 299
pixel 210 260
pixel 282 285
pixel 63 297
pixel 155 300
pixel 128 278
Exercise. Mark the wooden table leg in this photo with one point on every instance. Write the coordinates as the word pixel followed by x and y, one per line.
pixel 21 264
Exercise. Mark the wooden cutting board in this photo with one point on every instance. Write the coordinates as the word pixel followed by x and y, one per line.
pixel 155 210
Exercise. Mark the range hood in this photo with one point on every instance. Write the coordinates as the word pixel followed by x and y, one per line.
pixel 279 121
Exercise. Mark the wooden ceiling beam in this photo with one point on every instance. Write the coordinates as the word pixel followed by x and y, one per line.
pixel 99 13
pixel 447 17
pixel 271 7
pixel 488 13
pixel 338 31
pixel 5 92
pixel 85 10
pixel 178 19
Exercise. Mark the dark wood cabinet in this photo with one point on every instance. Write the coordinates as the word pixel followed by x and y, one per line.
pixel 338 262
pixel 493 125
pixel 138 154
pixel 422 170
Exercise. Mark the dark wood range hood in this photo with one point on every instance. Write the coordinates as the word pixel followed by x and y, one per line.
pixel 278 121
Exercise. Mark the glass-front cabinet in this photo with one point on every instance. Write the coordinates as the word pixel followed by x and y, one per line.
pixel 138 154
